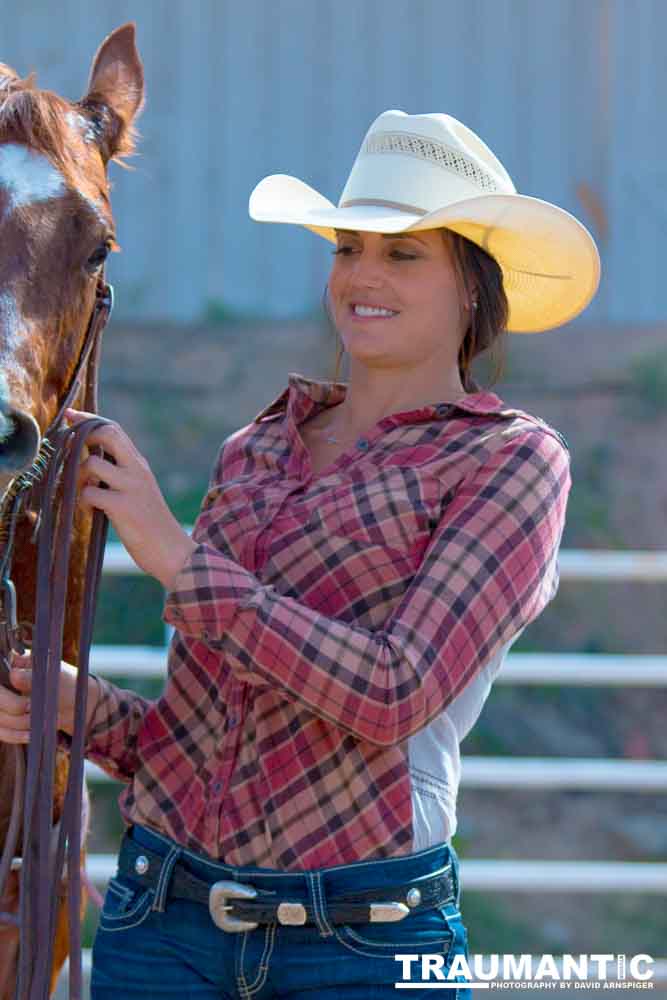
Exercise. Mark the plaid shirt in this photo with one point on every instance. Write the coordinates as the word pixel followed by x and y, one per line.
pixel 324 619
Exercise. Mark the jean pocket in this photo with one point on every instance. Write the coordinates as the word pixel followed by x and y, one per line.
pixel 427 931
pixel 459 946
pixel 126 905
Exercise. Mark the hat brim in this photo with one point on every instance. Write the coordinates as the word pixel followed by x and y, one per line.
pixel 549 260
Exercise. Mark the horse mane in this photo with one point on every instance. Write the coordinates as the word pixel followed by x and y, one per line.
pixel 38 119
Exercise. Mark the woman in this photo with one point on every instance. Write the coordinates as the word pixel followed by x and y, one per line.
pixel 364 558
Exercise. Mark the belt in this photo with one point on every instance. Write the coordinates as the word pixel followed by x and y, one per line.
pixel 237 906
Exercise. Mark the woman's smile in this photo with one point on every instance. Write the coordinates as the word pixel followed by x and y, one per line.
pixel 364 311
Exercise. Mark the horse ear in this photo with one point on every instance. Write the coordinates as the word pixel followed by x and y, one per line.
pixel 115 92
pixel 7 77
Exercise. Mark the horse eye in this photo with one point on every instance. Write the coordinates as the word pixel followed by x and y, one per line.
pixel 97 259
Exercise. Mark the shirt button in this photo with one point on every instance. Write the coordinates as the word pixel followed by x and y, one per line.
pixel 231 721
pixel 363 444
pixel 217 787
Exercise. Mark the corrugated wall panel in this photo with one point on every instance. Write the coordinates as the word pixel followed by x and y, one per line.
pixel 241 113
pixel 638 152
pixel 568 94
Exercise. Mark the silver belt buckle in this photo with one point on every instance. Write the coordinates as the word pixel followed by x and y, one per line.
pixel 218 895
pixel 381 913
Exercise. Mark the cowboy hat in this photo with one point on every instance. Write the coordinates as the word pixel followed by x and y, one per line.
pixel 430 171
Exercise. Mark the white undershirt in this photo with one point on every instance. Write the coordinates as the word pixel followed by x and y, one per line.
pixel 435 760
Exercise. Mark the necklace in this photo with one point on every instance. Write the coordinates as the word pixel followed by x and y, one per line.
pixel 332 439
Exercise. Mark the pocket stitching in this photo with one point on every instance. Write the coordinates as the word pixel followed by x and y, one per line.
pixel 146 898
pixel 358 939
pixel 122 891
pixel 390 944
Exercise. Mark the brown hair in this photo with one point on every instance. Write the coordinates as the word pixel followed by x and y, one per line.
pixel 475 269
pixel 478 270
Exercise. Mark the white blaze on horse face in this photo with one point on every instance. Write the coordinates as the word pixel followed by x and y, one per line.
pixel 9 320
pixel 9 328
pixel 27 177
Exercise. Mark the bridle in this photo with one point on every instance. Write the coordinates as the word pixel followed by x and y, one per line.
pixel 45 845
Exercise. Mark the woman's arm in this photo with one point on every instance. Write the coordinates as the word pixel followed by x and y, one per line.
pixel 113 716
pixel 490 568
pixel 488 571
pixel 113 729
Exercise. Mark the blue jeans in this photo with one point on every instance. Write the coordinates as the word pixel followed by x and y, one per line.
pixel 142 950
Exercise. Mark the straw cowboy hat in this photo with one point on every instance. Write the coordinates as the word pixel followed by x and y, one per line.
pixel 430 171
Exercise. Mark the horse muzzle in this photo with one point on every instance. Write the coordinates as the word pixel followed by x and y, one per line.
pixel 19 440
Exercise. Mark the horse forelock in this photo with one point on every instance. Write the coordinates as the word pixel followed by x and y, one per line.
pixel 59 130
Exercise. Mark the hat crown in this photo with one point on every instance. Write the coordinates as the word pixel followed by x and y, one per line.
pixel 422 163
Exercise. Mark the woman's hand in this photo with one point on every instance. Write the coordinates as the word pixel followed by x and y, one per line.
pixel 133 502
pixel 15 708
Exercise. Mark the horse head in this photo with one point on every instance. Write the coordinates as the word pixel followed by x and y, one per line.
pixel 56 230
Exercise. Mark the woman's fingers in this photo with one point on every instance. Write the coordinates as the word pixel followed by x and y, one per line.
pixel 15 735
pixel 15 705
pixel 111 437
pixel 12 703
pixel 95 498
pixel 96 470
pixel 15 708
pixel 20 671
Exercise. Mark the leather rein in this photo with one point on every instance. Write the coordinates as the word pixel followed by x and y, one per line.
pixel 50 853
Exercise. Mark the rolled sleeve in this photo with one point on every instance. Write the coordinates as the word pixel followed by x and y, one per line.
pixel 489 570
pixel 111 737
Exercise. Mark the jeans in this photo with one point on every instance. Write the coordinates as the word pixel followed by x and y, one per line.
pixel 143 950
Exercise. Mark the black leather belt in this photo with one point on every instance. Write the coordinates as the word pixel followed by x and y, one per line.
pixel 236 906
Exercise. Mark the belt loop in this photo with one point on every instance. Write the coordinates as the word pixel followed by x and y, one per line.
pixel 164 877
pixel 319 904
pixel 456 881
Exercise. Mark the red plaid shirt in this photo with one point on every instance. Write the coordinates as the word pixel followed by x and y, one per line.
pixel 324 619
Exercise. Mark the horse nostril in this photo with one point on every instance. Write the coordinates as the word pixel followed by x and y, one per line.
pixel 19 440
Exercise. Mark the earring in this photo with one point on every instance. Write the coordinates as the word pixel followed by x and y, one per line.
pixel 475 303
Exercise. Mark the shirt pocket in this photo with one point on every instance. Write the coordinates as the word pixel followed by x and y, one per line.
pixel 395 510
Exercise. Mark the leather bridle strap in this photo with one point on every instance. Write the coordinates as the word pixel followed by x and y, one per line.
pixel 29 481
pixel 89 352
pixel 45 846
pixel 42 869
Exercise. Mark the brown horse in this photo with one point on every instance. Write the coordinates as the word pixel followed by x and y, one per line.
pixel 56 229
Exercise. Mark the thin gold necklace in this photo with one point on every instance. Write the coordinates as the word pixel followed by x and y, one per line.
pixel 332 439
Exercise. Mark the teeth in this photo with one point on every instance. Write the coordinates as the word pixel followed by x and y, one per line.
pixel 372 311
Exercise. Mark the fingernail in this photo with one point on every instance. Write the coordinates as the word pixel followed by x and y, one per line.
pixel 27 706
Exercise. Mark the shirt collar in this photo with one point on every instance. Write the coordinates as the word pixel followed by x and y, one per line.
pixel 302 392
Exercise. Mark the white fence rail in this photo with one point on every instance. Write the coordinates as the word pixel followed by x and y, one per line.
pixel 575 564
pixel 536 772
pixel 572 669
pixel 575 669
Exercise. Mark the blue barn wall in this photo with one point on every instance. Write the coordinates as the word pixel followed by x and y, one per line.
pixel 569 94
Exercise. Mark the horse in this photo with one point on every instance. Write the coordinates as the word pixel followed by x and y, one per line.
pixel 56 230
